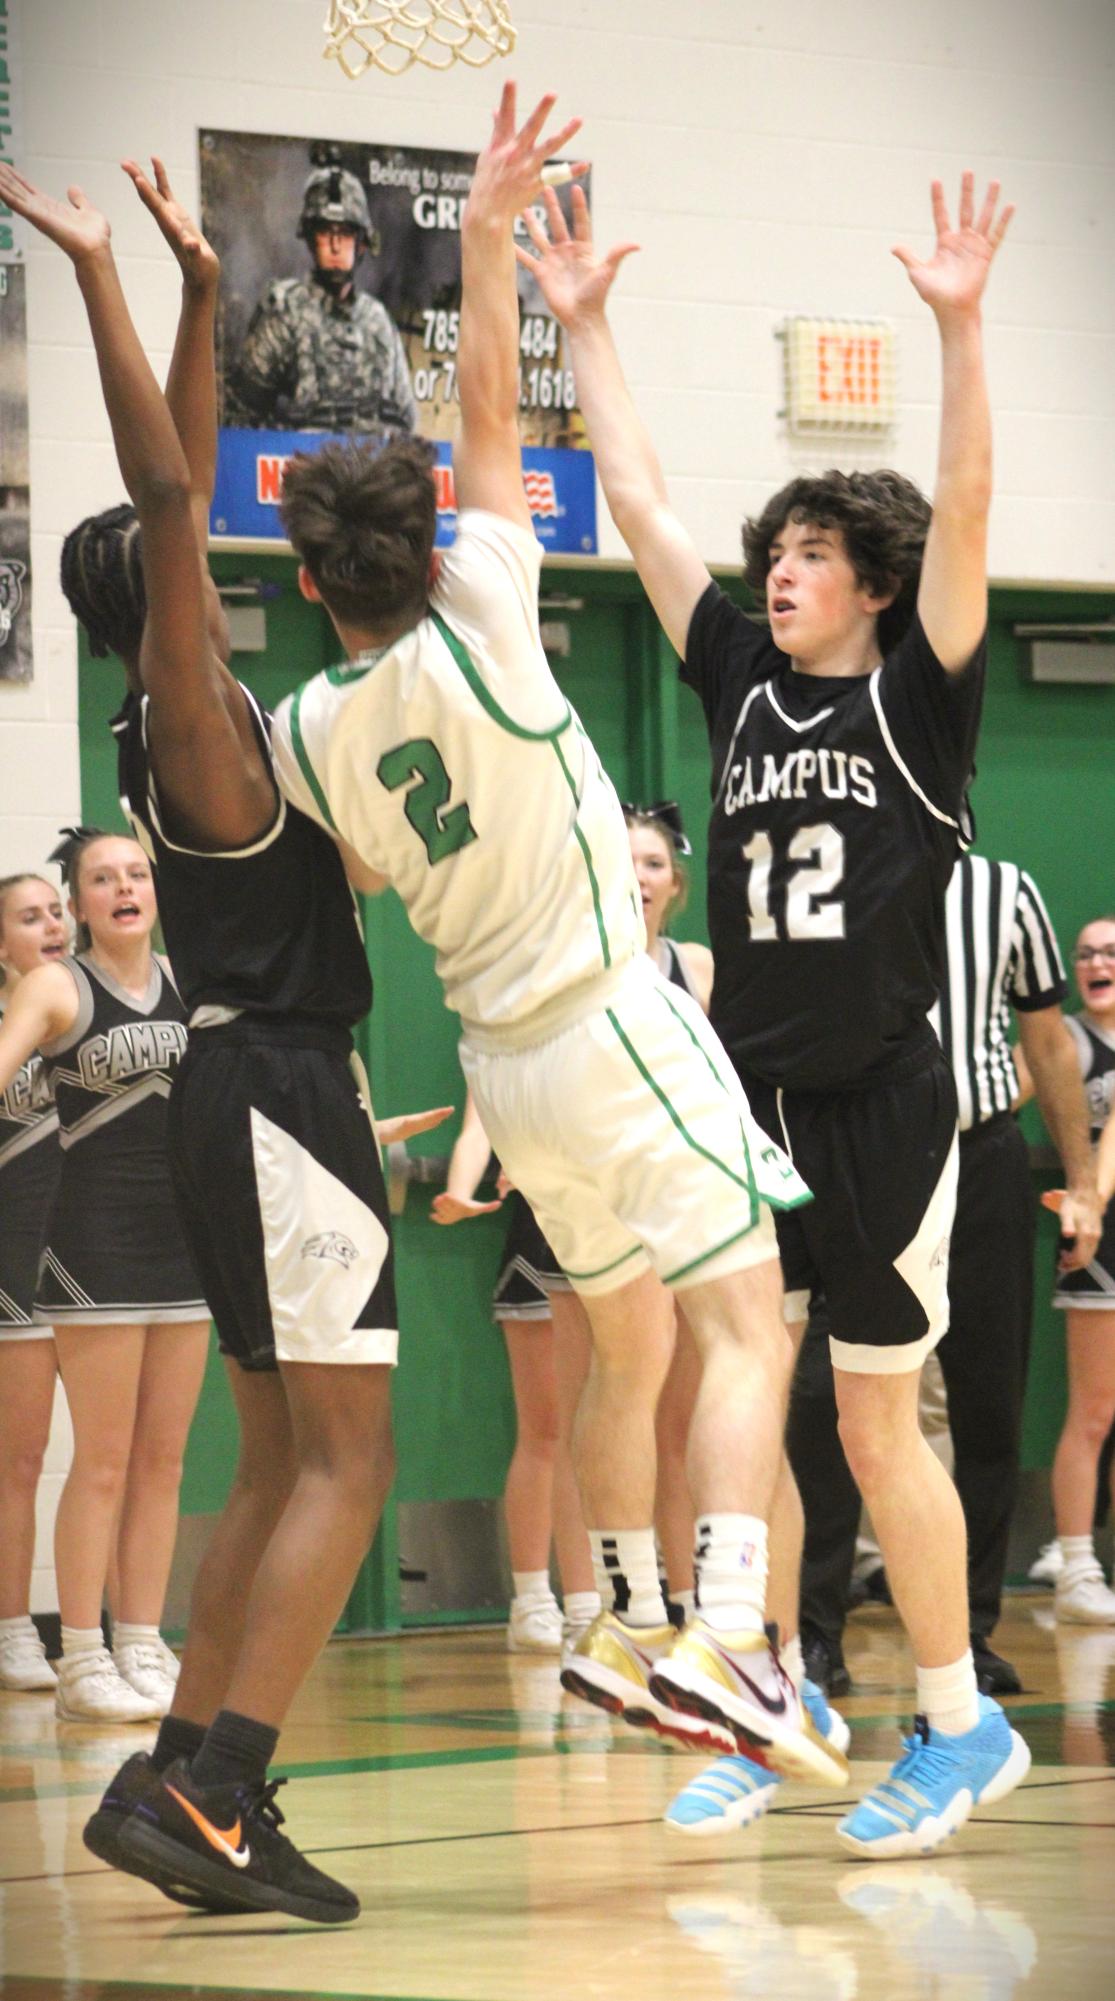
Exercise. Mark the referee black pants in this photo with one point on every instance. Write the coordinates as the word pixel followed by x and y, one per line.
pixel 984 1358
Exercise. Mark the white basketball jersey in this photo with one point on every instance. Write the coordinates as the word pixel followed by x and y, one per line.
pixel 455 767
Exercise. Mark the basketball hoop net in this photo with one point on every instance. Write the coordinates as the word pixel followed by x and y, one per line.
pixel 390 35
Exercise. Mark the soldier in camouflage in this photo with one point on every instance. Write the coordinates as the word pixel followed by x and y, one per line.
pixel 319 355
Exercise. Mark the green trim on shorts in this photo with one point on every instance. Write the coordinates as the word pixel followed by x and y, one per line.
pixel 622 1259
pixel 303 756
pixel 671 1278
pixel 749 1188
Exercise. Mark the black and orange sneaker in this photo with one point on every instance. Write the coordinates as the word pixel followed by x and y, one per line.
pixel 223 1843
pixel 137 1780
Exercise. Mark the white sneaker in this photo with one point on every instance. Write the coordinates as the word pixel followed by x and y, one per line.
pixel 23 1661
pixel 149 1665
pixel 534 1626
pixel 91 1689
pixel 1048 1564
pixel 1083 1599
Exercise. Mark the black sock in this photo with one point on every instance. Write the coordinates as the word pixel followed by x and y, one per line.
pixel 236 1749
pixel 176 1739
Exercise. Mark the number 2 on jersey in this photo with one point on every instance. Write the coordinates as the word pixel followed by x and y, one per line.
pixel 812 911
pixel 442 829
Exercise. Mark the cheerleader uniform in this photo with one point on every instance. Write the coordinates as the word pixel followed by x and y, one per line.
pixel 1094 1287
pixel 530 1271
pixel 115 1251
pixel 29 1167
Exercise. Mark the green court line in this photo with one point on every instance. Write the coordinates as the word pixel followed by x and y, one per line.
pixel 384 1761
pixel 68 1989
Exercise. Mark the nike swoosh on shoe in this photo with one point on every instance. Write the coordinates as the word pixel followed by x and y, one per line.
pixel 226 1841
pixel 772 1708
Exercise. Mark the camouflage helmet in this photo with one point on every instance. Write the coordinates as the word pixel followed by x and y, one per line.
pixel 333 197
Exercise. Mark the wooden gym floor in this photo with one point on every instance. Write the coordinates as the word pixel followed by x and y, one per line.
pixel 507 1846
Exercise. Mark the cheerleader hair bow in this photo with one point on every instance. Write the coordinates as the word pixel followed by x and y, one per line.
pixel 72 839
pixel 667 812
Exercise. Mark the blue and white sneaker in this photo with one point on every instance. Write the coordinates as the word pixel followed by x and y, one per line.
pixel 730 1794
pixel 736 1791
pixel 824 1718
pixel 934 1786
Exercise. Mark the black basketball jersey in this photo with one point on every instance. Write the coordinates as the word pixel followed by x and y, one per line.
pixel 272 929
pixel 1096 1053
pixel 116 1062
pixel 838 812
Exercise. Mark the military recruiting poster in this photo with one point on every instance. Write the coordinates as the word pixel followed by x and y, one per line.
pixel 339 315
pixel 15 473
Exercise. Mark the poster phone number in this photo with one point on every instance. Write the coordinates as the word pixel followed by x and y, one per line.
pixel 543 383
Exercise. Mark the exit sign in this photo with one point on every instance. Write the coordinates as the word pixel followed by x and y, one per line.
pixel 839 374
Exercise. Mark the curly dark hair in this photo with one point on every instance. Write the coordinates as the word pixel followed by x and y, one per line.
pixel 883 519
pixel 102 579
pixel 363 521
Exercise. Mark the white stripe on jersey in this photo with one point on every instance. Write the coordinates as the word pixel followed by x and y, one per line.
pixel 994 957
pixel 454 766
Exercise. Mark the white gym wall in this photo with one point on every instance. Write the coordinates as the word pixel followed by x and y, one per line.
pixel 765 157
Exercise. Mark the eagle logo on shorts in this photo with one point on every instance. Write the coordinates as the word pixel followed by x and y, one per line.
pixel 12 574
pixel 331 1244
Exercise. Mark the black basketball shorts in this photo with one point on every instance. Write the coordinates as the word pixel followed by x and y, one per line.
pixel 280 1186
pixel 882 1163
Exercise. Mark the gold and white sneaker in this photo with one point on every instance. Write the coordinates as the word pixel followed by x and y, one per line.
pixel 612 1666
pixel 736 1682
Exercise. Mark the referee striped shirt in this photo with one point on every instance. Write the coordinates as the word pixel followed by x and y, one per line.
pixel 1001 952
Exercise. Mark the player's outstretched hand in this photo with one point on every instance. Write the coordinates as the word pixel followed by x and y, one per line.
pixel 952 280
pixel 446 1208
pixel 510 172
pixel 573 277
pixel 390 1131
pixel 199 261
pixel 74 224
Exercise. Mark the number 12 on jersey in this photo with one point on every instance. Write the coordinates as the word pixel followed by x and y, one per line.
pixel 814 872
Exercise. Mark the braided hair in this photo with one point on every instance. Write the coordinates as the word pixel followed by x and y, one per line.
pixel 102 578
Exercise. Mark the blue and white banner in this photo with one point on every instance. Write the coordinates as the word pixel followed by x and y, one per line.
pixel 560 488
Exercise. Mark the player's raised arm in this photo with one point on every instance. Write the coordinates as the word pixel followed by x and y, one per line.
pixel 575 280
pixel 952 597
pixel 191 384
pixel 487 459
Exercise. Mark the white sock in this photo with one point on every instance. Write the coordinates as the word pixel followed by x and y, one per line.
pixel 126 1635
pixel 531 1584
pixel 81 1640
pixel 580 1605
pixel 790 1656
pixel 686 1599
pixel 24 1623
pixel 731 1564
pixel 625 1565
pixel 949 1696
pixel 1079 1552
